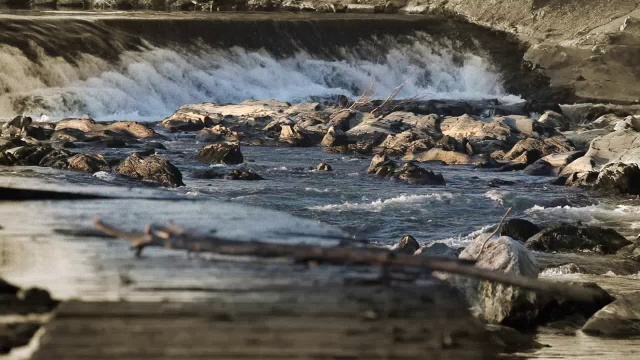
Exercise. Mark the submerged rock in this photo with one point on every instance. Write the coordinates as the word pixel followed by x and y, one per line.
pixel 243 175
pixel 151 168
pixel 206 174
pixel 567 237
pixel 323 167
pixel 510 340
pixel 407 245
pixel 89 163
pixel 223 153
pixel 621 318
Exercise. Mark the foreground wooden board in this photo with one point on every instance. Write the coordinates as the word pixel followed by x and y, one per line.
pixel 338 322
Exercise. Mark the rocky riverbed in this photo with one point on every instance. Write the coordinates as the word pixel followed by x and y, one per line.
pixel 409 134
pixel 442 172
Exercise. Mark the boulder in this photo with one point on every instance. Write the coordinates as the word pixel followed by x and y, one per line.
pixel 621 318
pixel 89 163
pixel 341 120
pixel 619 178
pixel 439 249
pixel 381 165
pixel 132 129
pixel 555 120
pixel 552 165
pixel 218 133
pixel 485 136
pixel 553 145
pixel 572 238
pixel 555 308
pixel 334 138
pixel 447 157
pixel 519 229
pixel 323 167
pixel 499 303
pixel 407 245
pixel 151 168
pixel 586 179
pixel 222 153
pixel 243 175
pixel 414 174
pixel 293 136
pixel 68 134
pixel 82 124
pixel 17 127
pixel 607 121
pixel 630 122
pixel 618 146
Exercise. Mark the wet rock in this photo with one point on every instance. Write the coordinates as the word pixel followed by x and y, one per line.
pixel 439 249
pixel 498 303
pixel 618 146
pixel 37 299
pixel 552 165
pixel 219 133
pixel 607 121
pixel 414 174
pixel 40 132
pixel 485 136
pixel 83 124
pixel 510 340
pixel 521 151
pixel 151 168
pixel 18 126
pixel 89 163
pixel 572 238
pixel 555 120
pixel 519 229
pixel 28 155
pixel 223 153
pixel 500 182
pixel 341 120
pixel 381 165
pixel 324 167
pixel 556 308
pixel 407 245
pixel 206 174
pixel 132 129
pixel 578 179
pixel 243 175
pixel 447 157
pixel 621 318
pixel 630 122
pixel 293 136
pixel 619 178
pixel 334 139
pixel 68 134
pixel 631 251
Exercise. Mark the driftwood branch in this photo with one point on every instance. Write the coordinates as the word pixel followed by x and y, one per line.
pixel 175 237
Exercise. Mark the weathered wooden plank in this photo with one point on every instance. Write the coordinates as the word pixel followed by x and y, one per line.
pixel 339 322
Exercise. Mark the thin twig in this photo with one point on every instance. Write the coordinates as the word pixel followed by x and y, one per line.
pixel 389 98
pixel 493 233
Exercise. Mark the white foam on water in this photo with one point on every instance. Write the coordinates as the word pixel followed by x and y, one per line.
pixel 311 189
pixel 152 83
pixel 379 205
pixel 495 195
pixel 105 176
pixel 597 215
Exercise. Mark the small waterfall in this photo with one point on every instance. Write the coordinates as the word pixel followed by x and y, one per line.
pixel 150 80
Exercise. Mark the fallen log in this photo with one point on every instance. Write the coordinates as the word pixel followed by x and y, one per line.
pixel 175 237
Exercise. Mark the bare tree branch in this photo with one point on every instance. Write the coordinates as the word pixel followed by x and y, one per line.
pixel 175 237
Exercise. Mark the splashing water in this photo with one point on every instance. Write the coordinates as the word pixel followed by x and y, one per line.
pixel 153 82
